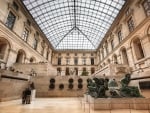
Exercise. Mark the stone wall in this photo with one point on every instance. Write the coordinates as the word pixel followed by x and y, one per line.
pixel 42 84
pixel 41 69
pixel 12 85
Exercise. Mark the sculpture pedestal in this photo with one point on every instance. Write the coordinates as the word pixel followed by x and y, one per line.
pixel 33 94
pixel 119 103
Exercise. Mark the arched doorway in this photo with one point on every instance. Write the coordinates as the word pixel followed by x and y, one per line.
pixel 139 53
pixel 20 56
pixel 124 56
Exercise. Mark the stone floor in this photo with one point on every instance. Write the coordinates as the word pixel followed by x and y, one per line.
pixel 56 105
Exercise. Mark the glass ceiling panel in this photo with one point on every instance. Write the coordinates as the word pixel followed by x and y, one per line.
pixel 74 24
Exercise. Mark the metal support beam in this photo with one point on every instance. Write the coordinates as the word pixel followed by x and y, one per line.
pixel 64 37
pixel 75 14
pixel 86 37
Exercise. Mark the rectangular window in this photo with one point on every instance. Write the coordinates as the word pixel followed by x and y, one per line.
pixel 58 71
pixel 25 34
pixel 146 5
pixel 47 55
pixel 76 61
pixel 119 36
pixel 67 61
pixel 67 71
pixel 35 43
pixel 28 22
pixel 128 11
pixel 130 24
pixel 106 47
pixel 112 44
pixel 92 70
pixel 10 20
pixel 15 6
pixel 75 54
pixel 84 61
pixel 102 53
pixel 76 71
pixel 59 61
pixel 84 69
pixel 92 61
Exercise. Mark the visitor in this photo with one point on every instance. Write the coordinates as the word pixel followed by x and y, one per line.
pixel 24 96
pixel 28 95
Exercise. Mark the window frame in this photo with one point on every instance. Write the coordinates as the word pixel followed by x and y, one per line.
pixel 131 24
pixel 147 11
pixel 6 23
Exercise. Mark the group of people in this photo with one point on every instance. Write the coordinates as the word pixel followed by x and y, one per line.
pixel 26 96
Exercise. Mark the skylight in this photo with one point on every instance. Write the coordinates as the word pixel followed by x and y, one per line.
pixel 74 24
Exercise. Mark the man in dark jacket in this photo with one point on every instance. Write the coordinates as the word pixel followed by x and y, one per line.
pixel 24 97
pixel 28 94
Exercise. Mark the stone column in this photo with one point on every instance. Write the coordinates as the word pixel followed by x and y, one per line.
pixel 11 57
pixel 130 57
pixel 119 59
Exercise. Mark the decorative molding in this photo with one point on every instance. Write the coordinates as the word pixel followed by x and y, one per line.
pixel 27 26
pixel 127 17
pixel 138 4
pixel 118 28
pixel 14 51
pixel 10 8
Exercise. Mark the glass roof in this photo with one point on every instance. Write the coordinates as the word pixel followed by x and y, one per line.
pixel 74 24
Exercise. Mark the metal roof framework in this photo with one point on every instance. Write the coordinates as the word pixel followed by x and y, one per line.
pixel 74 24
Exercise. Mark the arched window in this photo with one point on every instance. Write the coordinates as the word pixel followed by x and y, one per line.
pixel 124 56
pixel 20 57
pixel 138 49
pixel 4 46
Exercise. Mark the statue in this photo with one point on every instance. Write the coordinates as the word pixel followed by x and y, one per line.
pixel 128 91
pixel 97 88
pixel 125 81
pixel 113 83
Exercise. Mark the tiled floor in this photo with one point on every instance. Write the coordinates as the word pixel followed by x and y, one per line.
pixel 55 105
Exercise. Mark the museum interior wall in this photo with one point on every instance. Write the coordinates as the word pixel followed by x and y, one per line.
pixel 26 53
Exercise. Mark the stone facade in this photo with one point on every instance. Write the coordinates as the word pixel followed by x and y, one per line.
pixel 133 47
pixel 126 44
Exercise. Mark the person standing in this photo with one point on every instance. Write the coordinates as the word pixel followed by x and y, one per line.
pixel 28 94
pixel 24 96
